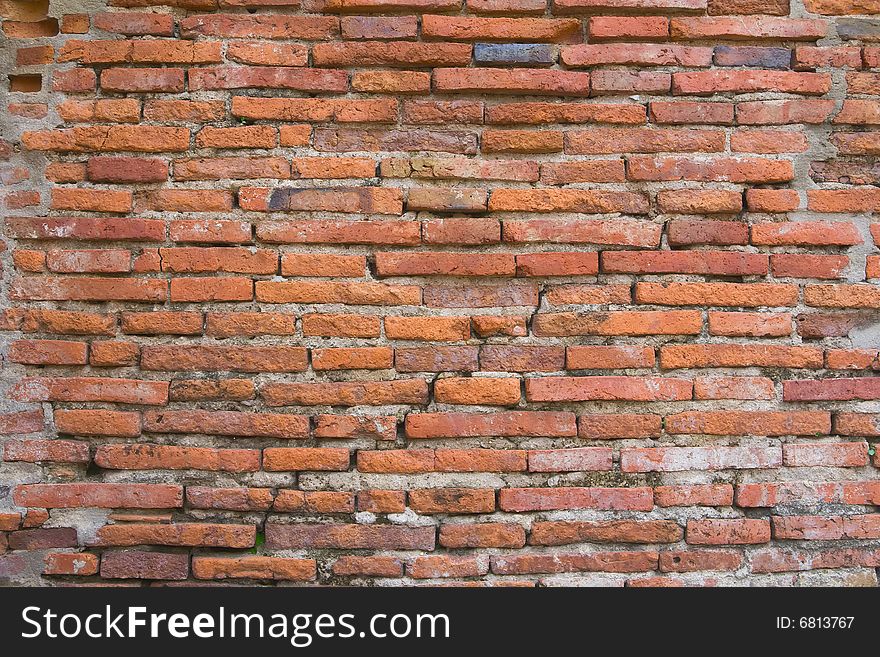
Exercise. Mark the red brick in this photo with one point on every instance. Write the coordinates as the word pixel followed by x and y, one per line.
pixel 249 324
pixel 396 461
pixel 615 562
pixel 87 228
pixel 728 531
pixel 685 561
pixel 234 499
pixel 71 563
pixel 628 82
pixel 477 391
pixel 639 54
pixel 500 29
pixel 716 294
pixel 620 388
pixel 578 231
pixel 169 457
pixel 687 201
pixel 523 260
pixel 452 500
pixel 831 389
pixel 381 501
pixel 825 454
pixel 270 425
pixel 750 324
pixel 444 264
pixel 481 296
pixel 134 496
pixel 482 535
pixel 349 537
pixel 436 359
pixel 734 170
pixel 557 264
pixel 376 393
pixel 447 566
pixel 499 358
pixel 642 140
pixel 342 232
pixel 694 495
pixel 223 358
pixel 132 23
pixel 537 113
pixel 618 323
pixel 747 27
pixel 842 296
pixel 521 141
pixel 354 358
pixel 505 81
pixel 381 427
pixel 188 534
pixel 47 352
pixel 305 458
pixel 602 426
pixel 681 459
pixel 255 567
pixel 688 112
pixel 513 423
pixel 479 460
pixel 208 390
pixel 718 263
pixel 21 422
pixel 761 423
pixel 36 451
pixel 857 424
pixel 98 423
pixel 772 200
pixel 42 539
pixel 295 501
pixel 733 387
pixel 396 53
pixel 549 499
pixel 628 27
pixel 767 141
pixel 609 531
pixel 580 459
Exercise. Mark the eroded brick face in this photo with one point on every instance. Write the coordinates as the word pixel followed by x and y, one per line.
pixel 441 291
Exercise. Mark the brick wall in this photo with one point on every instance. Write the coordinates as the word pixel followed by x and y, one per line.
pixel 416 291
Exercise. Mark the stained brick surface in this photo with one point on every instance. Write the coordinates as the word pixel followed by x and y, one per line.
pixel 426 291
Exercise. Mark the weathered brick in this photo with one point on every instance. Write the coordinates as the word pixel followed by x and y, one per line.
pixel 728 531
pixel 620 388
pixel 136 496
pixel 512 423
pixel 549 499
pixel 169 457
pixel 511 228
pixel 482 535
pixel 611 531
pixel 452 500
pixel 185 534
pixel 71 563
pixel 678 459
pixel 615 562
pixel 225 423
pixel 337 536
pixel 478 391
pixel 274 568
pixel 377 393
